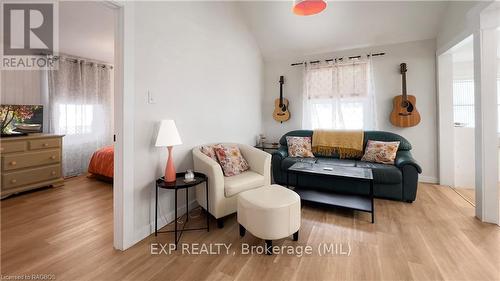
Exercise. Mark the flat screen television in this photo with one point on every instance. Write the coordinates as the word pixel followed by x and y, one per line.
pixel 20 120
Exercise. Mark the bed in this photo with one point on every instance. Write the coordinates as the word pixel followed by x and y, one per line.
pixel 101 164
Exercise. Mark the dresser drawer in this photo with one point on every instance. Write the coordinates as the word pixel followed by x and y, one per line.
pixel 44 143
pixel 30 159
pixel 28 176
pixel 12 146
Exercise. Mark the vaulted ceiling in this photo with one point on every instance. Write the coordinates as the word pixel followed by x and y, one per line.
pixel 343 25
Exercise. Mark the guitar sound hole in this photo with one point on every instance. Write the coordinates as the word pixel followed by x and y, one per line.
pixel 283 108
pixel 407 105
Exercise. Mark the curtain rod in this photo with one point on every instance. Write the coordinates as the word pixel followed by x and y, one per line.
pixel 339 59
pixel 77 59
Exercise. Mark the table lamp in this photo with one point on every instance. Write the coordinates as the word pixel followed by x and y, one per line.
pixel 168 136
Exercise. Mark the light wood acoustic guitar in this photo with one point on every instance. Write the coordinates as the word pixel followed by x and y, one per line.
pixel 404 112
pixel 281 112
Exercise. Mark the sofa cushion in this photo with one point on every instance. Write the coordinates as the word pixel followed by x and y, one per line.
pixel 336 162
pixel 382 173
pixel 299 147
pixel 231 160
pixel 289 161
pixel 244 181
pixel 383 152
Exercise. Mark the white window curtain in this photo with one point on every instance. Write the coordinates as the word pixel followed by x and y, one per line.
pixel 339 96
pixel 80 107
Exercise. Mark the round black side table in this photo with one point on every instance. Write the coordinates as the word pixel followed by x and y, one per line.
pixel 176 186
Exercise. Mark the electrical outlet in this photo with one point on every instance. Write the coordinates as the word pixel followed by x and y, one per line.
pixel 151 98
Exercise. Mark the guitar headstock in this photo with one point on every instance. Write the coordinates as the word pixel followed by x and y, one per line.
pixel 403 68
pixel 282 79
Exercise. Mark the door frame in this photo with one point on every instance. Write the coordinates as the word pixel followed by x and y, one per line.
pixel 123 179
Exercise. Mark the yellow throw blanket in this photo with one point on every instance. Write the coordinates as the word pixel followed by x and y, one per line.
pixel 347 144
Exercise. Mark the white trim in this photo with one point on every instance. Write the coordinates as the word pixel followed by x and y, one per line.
pixel 123 191
pixel 426 179
pixel 486 138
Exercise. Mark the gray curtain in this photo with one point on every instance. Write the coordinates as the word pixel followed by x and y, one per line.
pixel 80 107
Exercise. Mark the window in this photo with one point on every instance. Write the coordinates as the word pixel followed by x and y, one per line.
pixel 338 96
pixel 463 103
pixel 76 118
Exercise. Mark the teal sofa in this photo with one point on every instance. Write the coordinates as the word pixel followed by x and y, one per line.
pixel 396 182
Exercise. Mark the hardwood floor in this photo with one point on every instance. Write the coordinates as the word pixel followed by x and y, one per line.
pixel 67 231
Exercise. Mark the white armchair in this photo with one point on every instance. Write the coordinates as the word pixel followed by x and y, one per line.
pixel 222 191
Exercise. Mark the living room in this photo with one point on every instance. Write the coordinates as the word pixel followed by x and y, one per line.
pixel 196 74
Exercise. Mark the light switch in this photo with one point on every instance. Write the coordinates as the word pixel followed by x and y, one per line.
pixel 151 98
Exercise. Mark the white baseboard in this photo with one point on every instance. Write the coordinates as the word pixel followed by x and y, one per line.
pixel 163 220
pixel 428 179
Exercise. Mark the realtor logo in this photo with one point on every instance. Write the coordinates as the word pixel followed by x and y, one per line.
pixel 29 35
pixel 28 29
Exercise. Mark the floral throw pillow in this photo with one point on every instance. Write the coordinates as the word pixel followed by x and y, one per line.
pixel 209 150
pixel 231 160
pixel 299 146
pixel 381 152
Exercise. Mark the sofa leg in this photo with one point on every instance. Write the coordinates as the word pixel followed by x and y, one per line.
pixel 242 230
pixel 220 223
pixel 296 236
pixel 269 246
pixel 409 201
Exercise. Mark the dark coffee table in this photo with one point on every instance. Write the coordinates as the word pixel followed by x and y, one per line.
pixel 362 203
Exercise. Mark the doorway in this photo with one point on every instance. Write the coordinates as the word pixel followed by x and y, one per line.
pixel 457 118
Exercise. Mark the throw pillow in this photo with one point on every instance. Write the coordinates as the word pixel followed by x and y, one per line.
pixel 381 152
pixel 209 150
pixel 231 160
pixel 299 146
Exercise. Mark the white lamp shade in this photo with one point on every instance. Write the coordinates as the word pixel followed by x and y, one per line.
pixel 168 134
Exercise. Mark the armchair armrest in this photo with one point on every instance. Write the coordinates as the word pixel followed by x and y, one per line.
pixel 259 161
pixel 213 171
pixel 405 158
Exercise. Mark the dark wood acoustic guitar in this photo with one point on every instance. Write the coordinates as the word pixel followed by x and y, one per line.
pixel 281 112
pixel 404 112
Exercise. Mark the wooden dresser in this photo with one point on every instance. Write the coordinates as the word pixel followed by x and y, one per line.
pixel 30 162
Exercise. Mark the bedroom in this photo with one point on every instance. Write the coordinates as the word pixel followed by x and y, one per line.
pixel 72 107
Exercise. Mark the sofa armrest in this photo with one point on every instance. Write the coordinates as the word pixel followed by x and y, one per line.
pixel 282 152
pixel 259 161
pixel 213 171
pixel 277 158
pixel 405 158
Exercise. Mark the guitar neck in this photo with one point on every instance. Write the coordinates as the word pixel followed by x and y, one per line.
pixel 281 90
pixel 405 95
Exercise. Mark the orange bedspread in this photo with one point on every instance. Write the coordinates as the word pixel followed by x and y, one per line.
pixel 102 162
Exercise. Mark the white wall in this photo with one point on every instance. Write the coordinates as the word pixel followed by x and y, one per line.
pixel 464 158
pixel 420 57
pixel 205 71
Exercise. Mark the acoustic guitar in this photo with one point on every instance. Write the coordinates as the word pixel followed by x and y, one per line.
pixel 404 112
pixel 281 112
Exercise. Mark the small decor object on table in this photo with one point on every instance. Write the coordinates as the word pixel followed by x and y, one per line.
pixel 179 184
pixel 189 176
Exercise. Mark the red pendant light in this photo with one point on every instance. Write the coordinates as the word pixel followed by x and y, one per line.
pixel 308 7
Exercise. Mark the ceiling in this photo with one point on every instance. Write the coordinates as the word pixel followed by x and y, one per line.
pixel 343 25
pixel 86 29
pixel 464 51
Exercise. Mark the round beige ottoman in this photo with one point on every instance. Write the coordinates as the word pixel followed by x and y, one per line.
pixel 270 212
